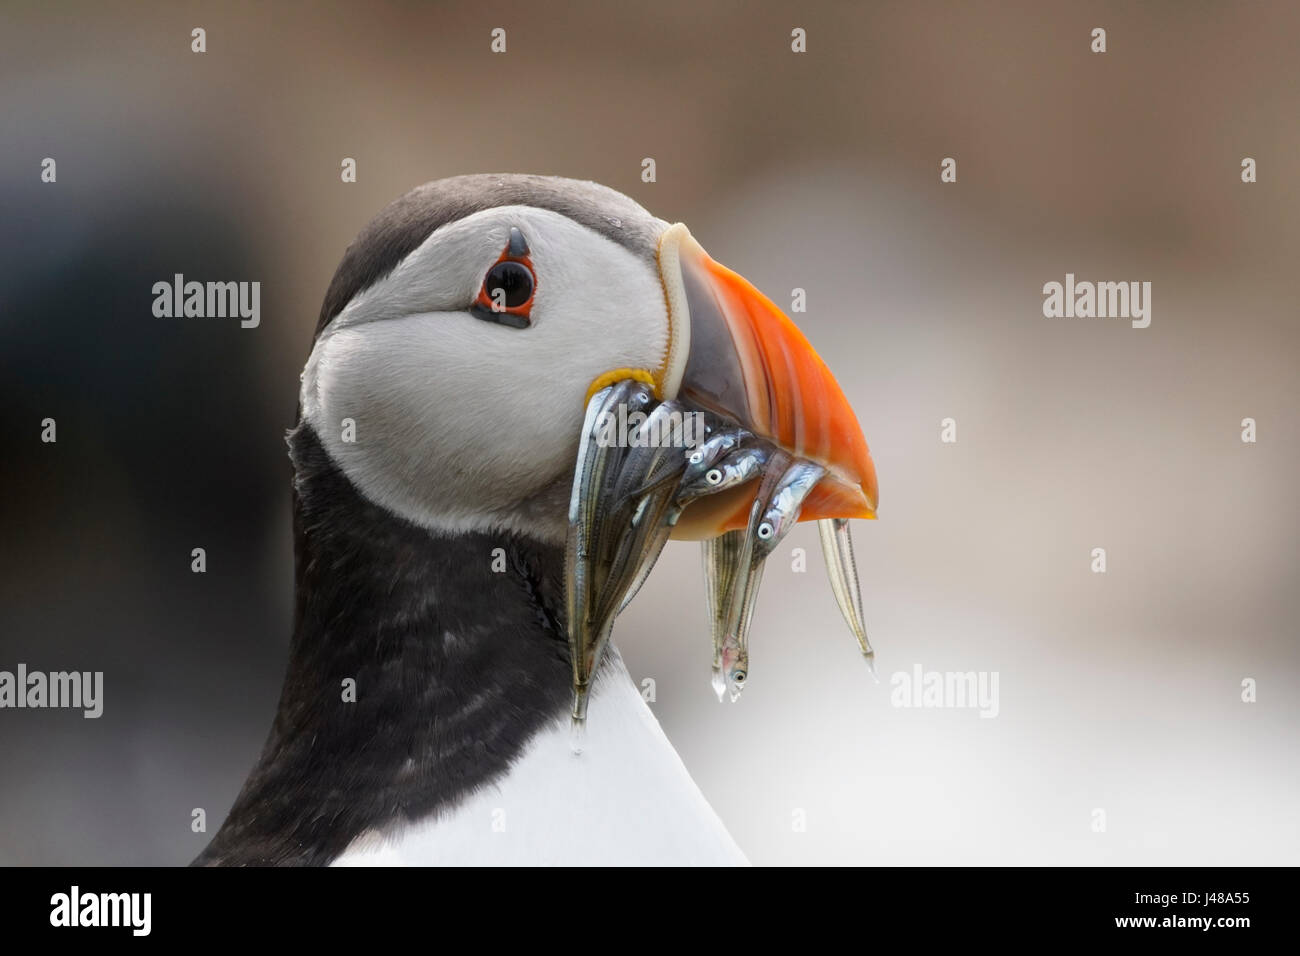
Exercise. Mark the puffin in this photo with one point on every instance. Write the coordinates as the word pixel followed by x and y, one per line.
pixel 425 716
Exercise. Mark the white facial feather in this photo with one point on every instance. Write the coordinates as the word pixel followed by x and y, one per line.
pixel 465 424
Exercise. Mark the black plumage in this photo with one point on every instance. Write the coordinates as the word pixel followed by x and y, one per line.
pixel 456 667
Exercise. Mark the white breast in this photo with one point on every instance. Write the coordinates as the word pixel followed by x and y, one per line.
pixel 625 800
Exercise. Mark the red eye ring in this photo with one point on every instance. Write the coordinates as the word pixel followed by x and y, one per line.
pixel 506 293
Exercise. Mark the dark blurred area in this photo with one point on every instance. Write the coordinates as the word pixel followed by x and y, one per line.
pixel 818 171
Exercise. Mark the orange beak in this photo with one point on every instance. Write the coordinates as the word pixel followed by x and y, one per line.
pixel 735 353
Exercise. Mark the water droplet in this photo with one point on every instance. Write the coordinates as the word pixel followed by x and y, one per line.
pixel 577 735
pixel 871 666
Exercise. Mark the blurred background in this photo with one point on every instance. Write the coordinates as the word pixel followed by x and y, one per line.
pixel 1118 691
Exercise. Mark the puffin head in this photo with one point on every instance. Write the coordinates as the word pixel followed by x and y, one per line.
pixel 472 319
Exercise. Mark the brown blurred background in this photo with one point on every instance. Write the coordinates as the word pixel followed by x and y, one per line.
pixel 821 171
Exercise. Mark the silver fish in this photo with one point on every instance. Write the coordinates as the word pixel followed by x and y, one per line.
pixel 623 492
pixel 626 499
pixel 589 563
pixel 718 445
pixel 781 511
pixel 775 511
pixel 837 547
pixel 642 499
pixel 741 464
pixel 722 556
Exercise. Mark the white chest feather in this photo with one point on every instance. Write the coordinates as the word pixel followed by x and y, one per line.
pixel 626 799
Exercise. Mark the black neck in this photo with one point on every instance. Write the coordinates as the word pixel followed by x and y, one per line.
pixel 456 666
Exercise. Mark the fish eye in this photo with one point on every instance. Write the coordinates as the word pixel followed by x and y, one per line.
pixel 714 476
pixel 696 457
pixel 739 677
pixel 765 530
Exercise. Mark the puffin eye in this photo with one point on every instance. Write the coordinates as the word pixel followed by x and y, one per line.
pixel 508 285
pixel 506 295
